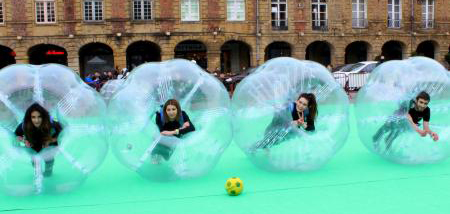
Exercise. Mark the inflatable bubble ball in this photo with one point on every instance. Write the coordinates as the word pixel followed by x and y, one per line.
pixel 109 88
pixel 265 103
pixel 135 137
pixel 388 98
pixel 30 164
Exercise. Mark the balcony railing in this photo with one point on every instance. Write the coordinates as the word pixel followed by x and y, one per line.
pixel 321 25
pixel 279 25
pixel 394 23
pixel 359 23
pixel 428 23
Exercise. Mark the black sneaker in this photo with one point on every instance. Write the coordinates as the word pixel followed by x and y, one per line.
pixel 48 172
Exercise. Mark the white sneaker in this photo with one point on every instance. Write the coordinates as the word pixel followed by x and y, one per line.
pixel 156 159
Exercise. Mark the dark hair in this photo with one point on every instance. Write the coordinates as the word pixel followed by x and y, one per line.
pixel 312 104
pixel 423 95
pixel 44 130
pixel 174 103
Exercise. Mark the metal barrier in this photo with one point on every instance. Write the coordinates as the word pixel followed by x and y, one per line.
pixel 356 81
pixel 341 78
pixel 351 82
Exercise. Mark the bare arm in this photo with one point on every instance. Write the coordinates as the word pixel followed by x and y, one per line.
pixel 168 133
pixel 185 125
pixel 426 128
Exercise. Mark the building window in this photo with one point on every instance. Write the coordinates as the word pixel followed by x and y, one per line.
pixel 236 10
pixel 45 11
pixel 394 13
pixel 142 9
pixel 279 15
pixel 1 12
pixel 428 13
pixel 319 15
pixel 190 10
pixel 93 10
pixel 359 14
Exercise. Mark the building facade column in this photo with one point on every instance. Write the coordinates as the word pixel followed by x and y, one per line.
pixel 298 51
pixel 120 55
pixel 21 53
pixel 337 56
pixel 167 49
pixel 213 59
pixel 73 59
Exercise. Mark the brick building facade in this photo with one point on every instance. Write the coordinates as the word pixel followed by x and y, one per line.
pixel 219 34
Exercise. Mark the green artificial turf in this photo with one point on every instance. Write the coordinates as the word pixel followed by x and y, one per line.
pixel 354 181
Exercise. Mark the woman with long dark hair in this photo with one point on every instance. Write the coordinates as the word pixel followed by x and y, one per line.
pixel 38 131
pixel 303 111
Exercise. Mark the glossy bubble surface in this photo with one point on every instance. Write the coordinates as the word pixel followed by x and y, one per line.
pixel 383 104
pixel 77 107
pixel 264 97
pixel 134 131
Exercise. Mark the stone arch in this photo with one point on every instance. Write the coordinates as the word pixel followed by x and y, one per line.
pixel 142 51
pixel 320 51
pixel 357 51
pixel 192 50
pixel 235 56
pixel 393 50
pixel 7 56
pixel 278 49
pixel 428 48
pixel 95 57
pixel 108 42
pixel 47 53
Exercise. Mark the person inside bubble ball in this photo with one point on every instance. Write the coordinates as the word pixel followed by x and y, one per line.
pixel 171 121
pixel 38 131
pixel 303 113
pixel 416 111
pixel 422 111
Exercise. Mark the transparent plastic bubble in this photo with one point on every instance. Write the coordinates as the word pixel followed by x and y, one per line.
pixel 81 145
pixel 134 131
pixel 264 97
pixel 109 88
pixel 382 107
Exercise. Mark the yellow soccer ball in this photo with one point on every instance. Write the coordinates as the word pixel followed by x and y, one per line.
pixel 234 186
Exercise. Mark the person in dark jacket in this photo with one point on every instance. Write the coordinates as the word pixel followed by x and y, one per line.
pixel 303 113
pixel 38 131
pixel 171 121
pixel 415 111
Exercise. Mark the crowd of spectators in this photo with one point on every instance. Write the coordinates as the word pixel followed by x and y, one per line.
pixel 97 79
pixel 230 80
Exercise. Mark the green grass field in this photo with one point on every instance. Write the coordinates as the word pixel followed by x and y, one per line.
pixel 354 181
